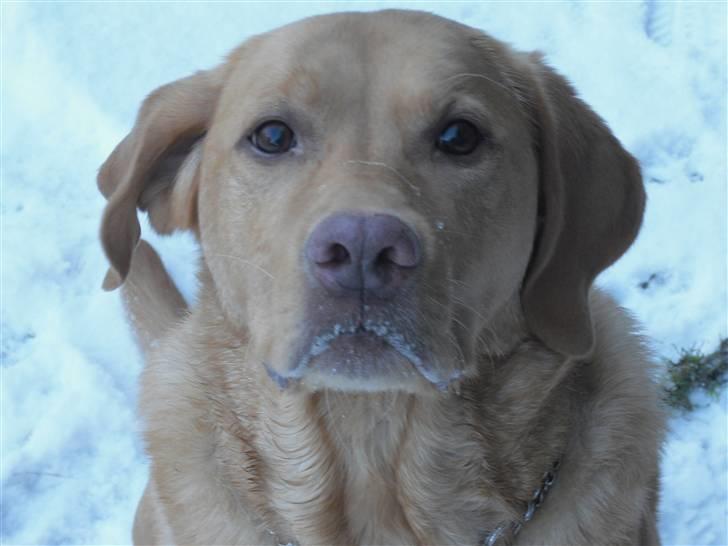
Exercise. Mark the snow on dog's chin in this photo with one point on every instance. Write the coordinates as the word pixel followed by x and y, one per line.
pixel 364 358
pixel 360 362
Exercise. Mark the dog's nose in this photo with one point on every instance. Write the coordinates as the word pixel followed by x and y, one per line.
pixel 373 254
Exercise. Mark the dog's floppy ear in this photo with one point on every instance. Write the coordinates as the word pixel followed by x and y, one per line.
pixel 590 211
pixel 155 168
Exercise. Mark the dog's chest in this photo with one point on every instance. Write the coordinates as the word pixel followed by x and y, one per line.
pixel 373 506
pixel 380 480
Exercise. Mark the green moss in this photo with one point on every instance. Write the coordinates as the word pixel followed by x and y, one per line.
pixel 694 371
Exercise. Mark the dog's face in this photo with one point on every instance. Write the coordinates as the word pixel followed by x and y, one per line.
pixel 381 197
pixel 368 193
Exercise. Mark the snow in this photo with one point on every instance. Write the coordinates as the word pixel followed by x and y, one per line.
pixel 73 74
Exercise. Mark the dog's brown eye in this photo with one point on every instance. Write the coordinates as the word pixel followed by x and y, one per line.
pixel 459 138
pixel 273 137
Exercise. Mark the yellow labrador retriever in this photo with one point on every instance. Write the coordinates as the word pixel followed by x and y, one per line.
pixel 396 339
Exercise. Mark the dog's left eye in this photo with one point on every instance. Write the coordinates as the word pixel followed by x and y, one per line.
pixel 273 137
pixel 460 137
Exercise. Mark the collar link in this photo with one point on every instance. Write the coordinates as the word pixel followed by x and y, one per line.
pixel 509 529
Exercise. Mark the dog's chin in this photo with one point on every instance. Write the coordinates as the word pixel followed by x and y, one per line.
pixel 361 361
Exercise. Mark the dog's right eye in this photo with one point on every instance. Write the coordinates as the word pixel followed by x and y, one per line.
pixel 273 137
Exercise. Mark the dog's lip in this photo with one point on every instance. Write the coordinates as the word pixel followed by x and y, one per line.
pixel 380 330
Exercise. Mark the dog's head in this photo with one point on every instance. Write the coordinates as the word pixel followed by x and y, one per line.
pixel 381 197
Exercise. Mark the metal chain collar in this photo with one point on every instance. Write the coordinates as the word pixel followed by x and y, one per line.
pixel 512 528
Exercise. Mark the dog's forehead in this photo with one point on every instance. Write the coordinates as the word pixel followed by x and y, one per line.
pixel 394 49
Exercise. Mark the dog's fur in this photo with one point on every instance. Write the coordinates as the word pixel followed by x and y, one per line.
pixel 522 361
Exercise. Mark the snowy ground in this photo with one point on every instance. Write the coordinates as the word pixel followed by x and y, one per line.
pixel 73 75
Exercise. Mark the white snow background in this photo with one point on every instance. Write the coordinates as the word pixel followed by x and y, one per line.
pixel 73 75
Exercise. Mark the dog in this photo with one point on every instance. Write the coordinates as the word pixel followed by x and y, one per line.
pixel 397 339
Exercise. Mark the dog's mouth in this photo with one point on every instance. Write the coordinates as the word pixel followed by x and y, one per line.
pixel 362 356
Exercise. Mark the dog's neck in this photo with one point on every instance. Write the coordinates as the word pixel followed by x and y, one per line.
pixel 346 468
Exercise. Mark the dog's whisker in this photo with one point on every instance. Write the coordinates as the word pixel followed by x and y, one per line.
pixel 482 77
pixel 245 262
pixel 467 234
pixel 399 175
pixel 460 301
pixel 470 308
pixel 452 315
pixel 448 336
pixel 487 338
pixel 336 430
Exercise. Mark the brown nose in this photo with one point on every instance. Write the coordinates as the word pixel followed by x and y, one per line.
pixel 373 254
